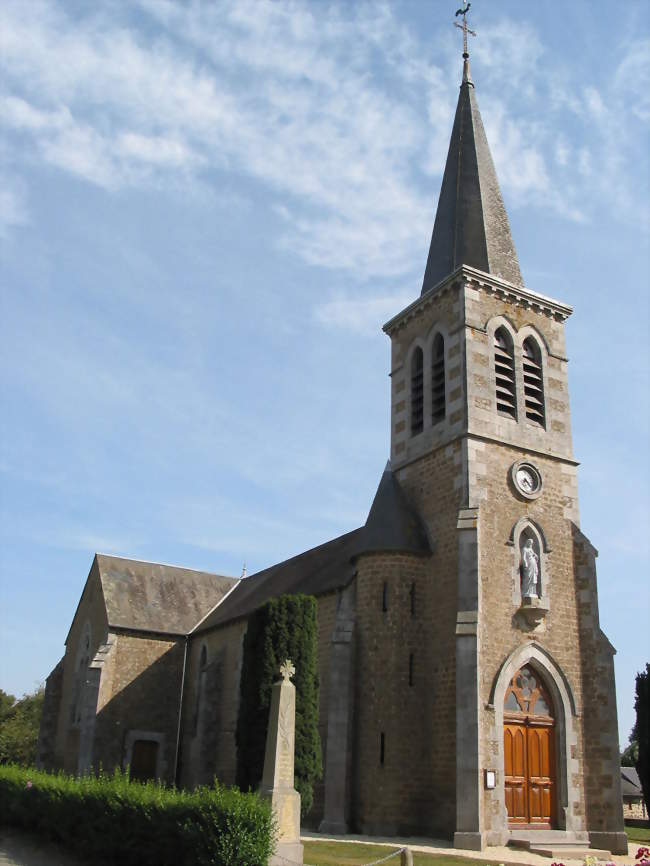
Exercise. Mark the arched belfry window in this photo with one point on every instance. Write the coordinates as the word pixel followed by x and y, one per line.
pixel 417 391
pixel 504 369
pixel 438 380
pixel 533 382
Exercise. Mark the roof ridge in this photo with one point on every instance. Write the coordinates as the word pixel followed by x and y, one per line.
pixel 165 565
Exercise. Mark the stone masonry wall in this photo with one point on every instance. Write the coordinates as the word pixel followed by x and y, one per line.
pixel 485 310
pixel 208 749
pixel 224 652
pixel 413 790
pixel 90 611
pixel 435 484
pixel 45 751
pixel 144 697
pixel 442 313
pixel 601 746
pixel 431 467
pixel 569 632
pixel 502 629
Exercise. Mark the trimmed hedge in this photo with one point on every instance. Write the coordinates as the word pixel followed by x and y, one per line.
pixel 110 819
pixel 282 628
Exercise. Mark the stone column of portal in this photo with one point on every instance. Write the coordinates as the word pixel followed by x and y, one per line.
pixel 277 781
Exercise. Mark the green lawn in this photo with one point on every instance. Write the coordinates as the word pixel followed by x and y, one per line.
pixel 634 834
pixel 351 854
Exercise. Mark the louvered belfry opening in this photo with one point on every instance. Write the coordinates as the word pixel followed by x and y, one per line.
pixel 533 383
pixel 438 380
pixel 504 368
pixel 417 391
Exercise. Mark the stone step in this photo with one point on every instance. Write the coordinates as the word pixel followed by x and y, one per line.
pixel 569 852
pixel 526 838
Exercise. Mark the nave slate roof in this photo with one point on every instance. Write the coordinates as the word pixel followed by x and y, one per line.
pixel 392 526
pixel 150 597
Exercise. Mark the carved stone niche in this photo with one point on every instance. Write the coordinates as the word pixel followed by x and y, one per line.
pixel 530 575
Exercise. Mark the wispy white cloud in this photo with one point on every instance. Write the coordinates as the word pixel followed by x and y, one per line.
pixel 632 78
pixel 361 316
pixel 13 204
pixel 335 109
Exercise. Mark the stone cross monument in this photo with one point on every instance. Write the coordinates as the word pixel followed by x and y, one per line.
pixel 277 781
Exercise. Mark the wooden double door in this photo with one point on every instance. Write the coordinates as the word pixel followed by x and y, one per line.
pixel 529 753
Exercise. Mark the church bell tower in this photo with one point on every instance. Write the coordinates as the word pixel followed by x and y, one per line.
pixel 520 681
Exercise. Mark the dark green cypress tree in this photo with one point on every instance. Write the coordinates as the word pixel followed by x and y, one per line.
pixel 641 730
pixel 283 628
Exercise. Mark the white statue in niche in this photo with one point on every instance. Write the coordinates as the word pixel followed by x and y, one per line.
pixel 529 570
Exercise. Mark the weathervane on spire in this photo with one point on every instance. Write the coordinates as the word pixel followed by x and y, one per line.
pixel 464 27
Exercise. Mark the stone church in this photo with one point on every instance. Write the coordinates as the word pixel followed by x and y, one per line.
pixel 467 689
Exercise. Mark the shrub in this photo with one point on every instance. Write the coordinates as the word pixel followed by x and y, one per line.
pixel 111 819
pixel 283 628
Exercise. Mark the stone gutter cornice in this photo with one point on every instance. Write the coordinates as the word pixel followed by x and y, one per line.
pixel 517 295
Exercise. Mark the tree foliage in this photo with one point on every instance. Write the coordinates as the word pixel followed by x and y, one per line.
pixel 6 703
pixel 641 730
pixel 19 725
pixel 630 754
pixel 283 628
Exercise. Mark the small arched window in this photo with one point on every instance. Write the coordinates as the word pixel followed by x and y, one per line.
pixel 438 380
pixel 534 382
pixel 504 370
pixel 417 391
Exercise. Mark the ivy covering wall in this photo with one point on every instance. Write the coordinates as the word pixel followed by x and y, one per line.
pixel 283 628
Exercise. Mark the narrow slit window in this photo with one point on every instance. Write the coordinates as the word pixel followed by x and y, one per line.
pixel 412 598
pixel 384 597
pixel 382 748
pixel 411 667
pixel 438 406
pixel 504 369
pixel 417 392
pixel 534 383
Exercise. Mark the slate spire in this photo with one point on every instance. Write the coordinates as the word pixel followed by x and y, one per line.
pixel 471 226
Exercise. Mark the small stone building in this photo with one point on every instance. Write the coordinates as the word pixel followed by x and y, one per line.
pixel 467 689
pixel 634 807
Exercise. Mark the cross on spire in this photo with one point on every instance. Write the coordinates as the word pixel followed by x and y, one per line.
pixel 464 27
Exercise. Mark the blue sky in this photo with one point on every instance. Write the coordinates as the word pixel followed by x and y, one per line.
pixel 207 211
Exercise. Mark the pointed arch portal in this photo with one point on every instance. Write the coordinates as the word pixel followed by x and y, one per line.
pixel 529 751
